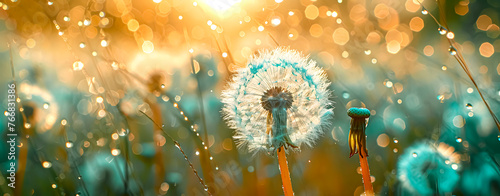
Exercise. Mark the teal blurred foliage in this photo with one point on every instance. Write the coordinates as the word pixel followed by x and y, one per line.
pixel 482 177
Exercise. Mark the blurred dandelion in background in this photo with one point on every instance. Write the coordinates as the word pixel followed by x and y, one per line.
pixel 426 168
pixel 282 82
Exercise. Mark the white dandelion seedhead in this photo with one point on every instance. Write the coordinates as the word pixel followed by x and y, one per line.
pixel 279 90
pixel 426 168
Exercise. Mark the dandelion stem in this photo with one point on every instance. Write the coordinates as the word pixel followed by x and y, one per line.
pixel 365 171
pixel 285 174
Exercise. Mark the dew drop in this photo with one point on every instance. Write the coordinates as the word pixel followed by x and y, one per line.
pixel 424 11
pixel 450 35
pixel 69 144
pixel 66 18
pixel 459 140
pixel 388 84
pixel 45 106
pixel 50 3
pixel 346 95
pixel 99 99
pixel 78 65
pixel 123 132
pixel 414 154
pixel 86 22
pixel 47 164
pixel 82 45
pixel 368 52
pixel 104 43
pixel 395 140
pixel 165 98
pixel 115 152
pixel 452 50
pixel 468 106
pixel 442 30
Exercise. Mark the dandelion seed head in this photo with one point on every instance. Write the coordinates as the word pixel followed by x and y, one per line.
pixel 430 171
pixel 278 78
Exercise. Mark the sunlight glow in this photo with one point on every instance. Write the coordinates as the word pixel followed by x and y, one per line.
pixel 221 5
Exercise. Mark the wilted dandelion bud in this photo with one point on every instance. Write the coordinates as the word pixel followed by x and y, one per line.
pixel 279 99
pixel 357 137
